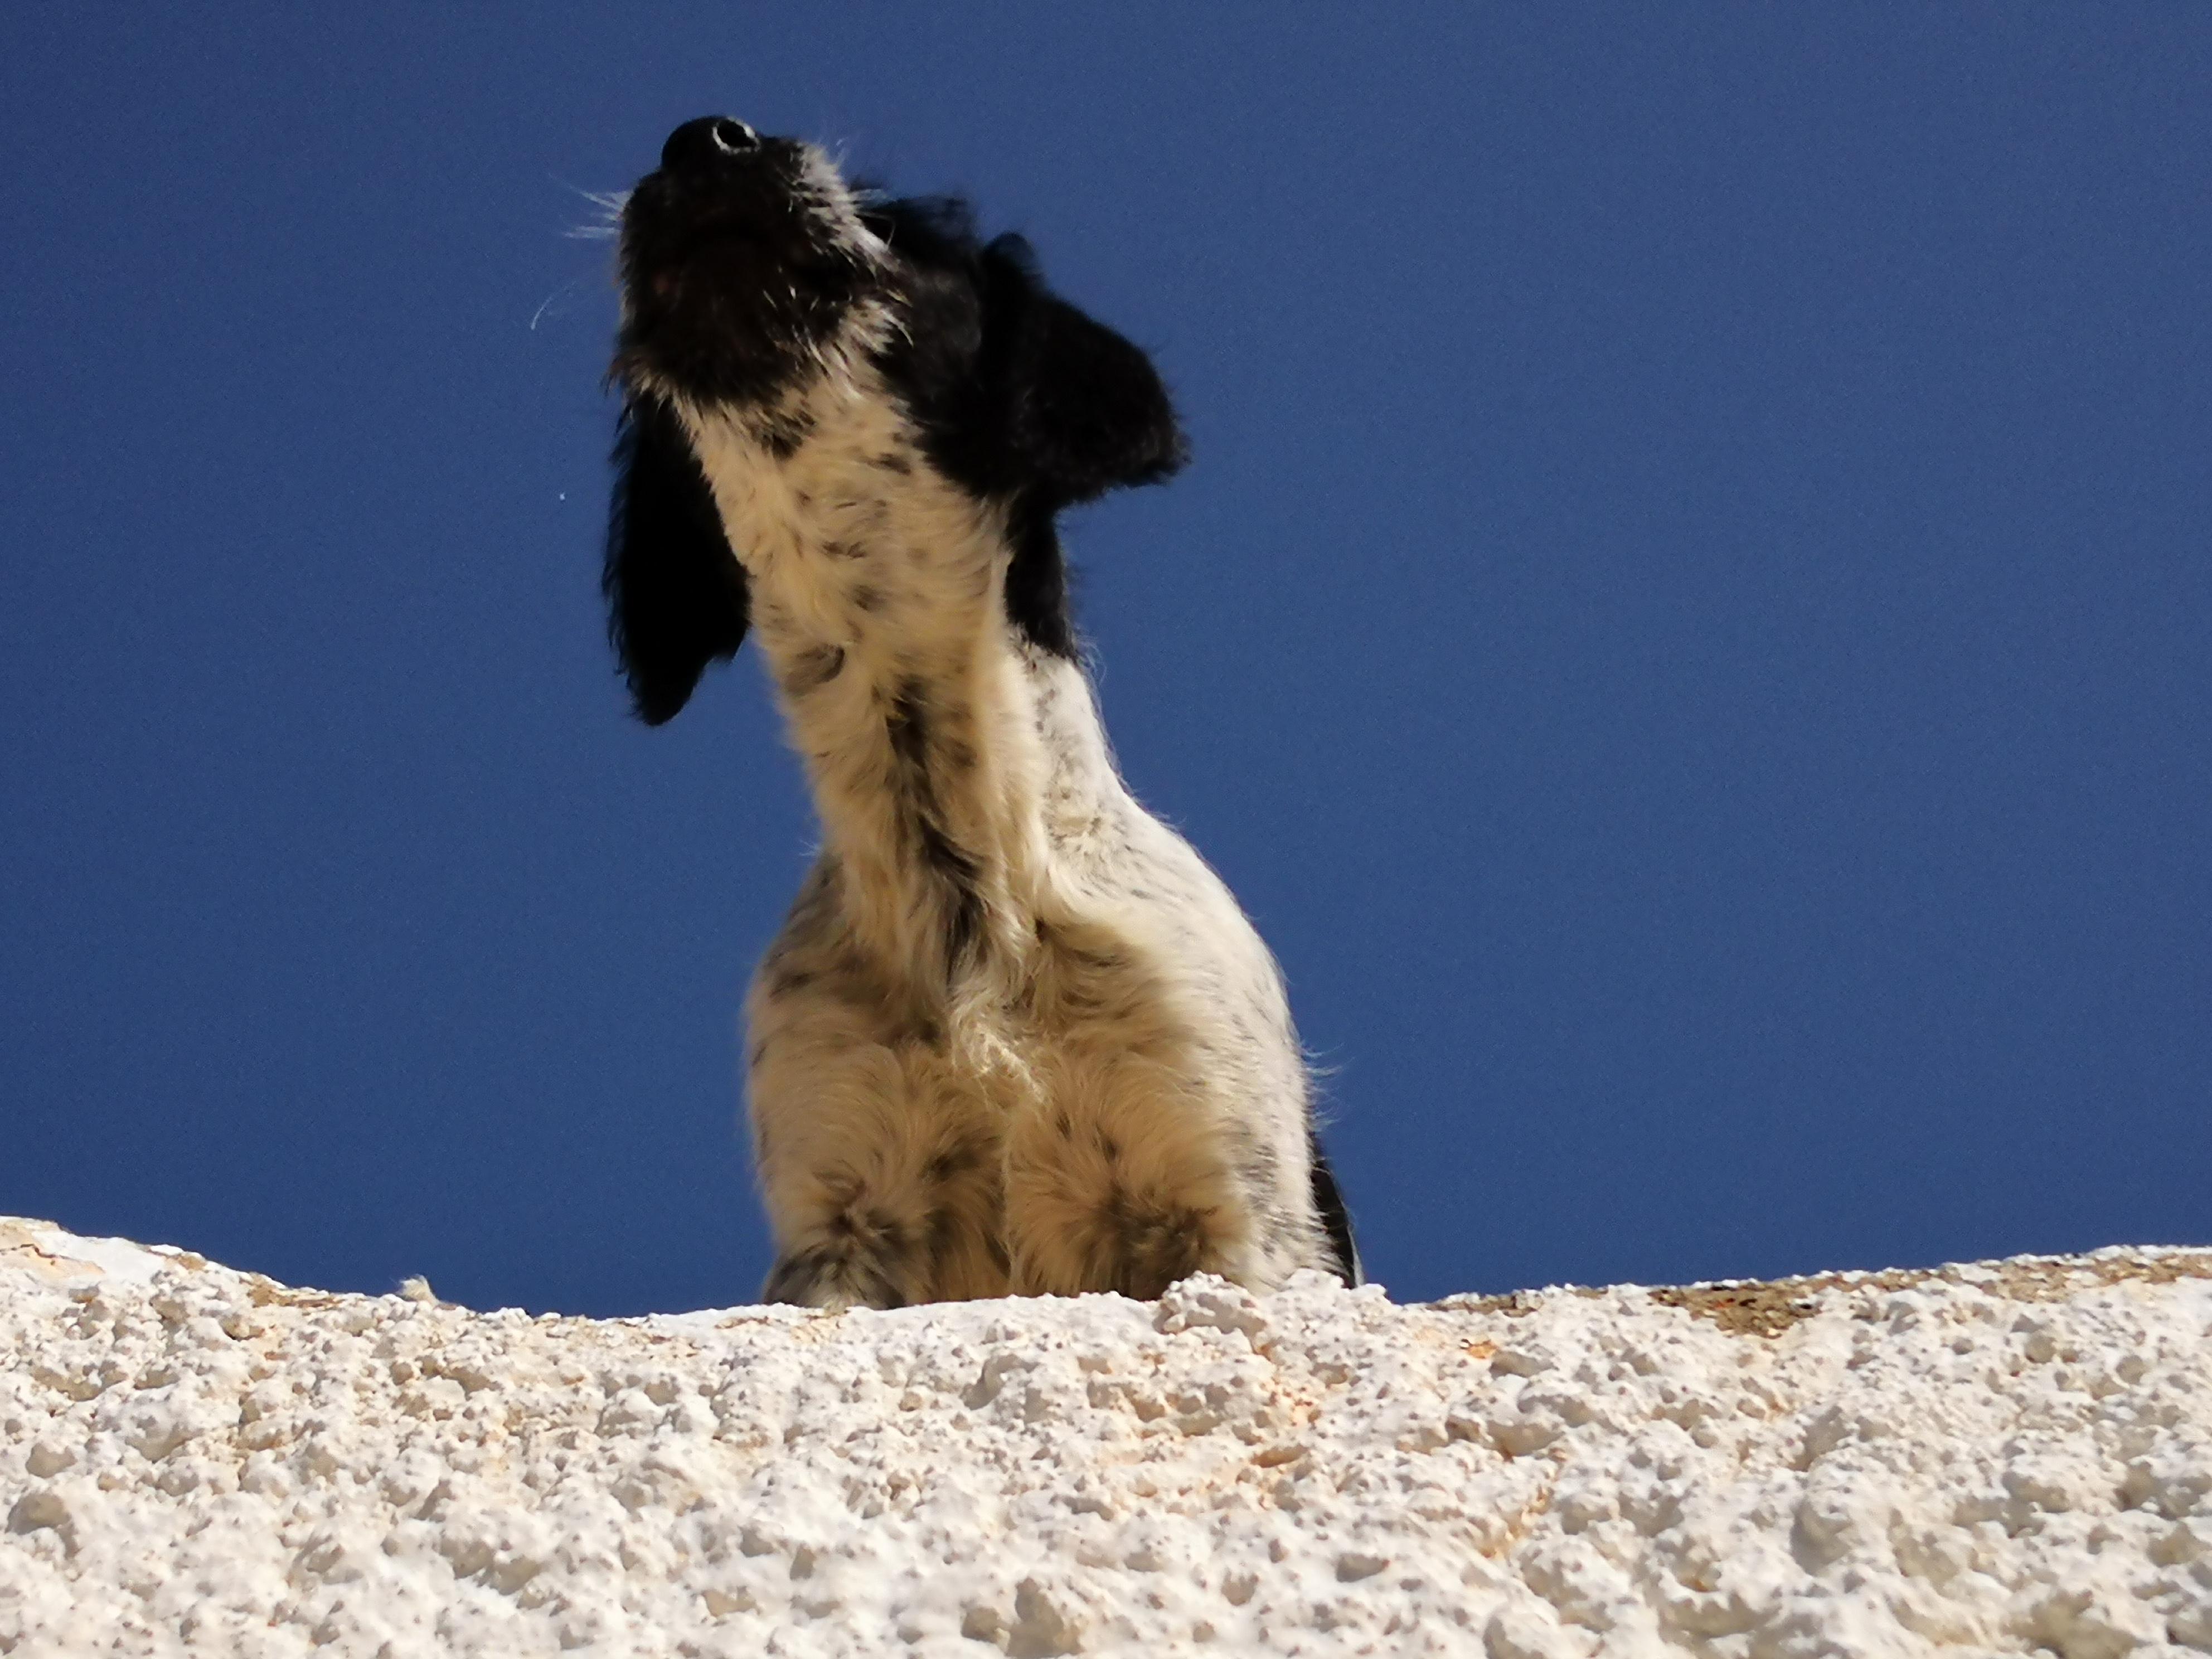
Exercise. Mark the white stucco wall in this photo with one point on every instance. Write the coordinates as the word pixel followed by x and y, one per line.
pixel 2005 1457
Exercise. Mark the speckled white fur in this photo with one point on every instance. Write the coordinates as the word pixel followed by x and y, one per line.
pixel 1104 1092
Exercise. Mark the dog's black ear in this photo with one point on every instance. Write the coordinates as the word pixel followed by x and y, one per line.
pixel 1087 411
pixel 676 594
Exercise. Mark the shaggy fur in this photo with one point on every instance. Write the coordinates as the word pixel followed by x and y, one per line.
pixel 1015 1035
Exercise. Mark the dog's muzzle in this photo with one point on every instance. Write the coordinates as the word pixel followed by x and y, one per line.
pixel 740 262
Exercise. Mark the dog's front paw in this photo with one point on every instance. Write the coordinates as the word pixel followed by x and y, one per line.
pixel 833 1278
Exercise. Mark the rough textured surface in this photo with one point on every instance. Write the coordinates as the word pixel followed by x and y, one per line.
pixel 2010 1457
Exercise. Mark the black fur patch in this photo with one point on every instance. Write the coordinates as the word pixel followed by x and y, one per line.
pixel 1335 1219
pixel 1019 396
pixel 906 725
pixel 676 594
pixel 1036 585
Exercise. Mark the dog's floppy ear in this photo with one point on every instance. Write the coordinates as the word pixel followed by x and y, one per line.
pixel 1087 411
pixel 676 594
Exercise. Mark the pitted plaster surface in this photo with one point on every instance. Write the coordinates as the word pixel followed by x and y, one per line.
pixel 2000 1458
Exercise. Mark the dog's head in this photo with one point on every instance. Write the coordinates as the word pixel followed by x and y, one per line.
pixel 745 263
pixel 755 280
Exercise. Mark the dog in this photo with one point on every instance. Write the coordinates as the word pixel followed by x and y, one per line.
pixel 1015 1038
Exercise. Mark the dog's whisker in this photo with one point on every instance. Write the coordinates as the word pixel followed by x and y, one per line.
pixel 546 305
pixel 609 202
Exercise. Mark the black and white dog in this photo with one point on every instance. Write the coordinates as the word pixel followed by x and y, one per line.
pixel 1015 1035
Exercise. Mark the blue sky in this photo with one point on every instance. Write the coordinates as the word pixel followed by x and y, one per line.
pixel 1686 625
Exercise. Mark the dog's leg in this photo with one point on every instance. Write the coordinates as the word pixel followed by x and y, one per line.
pixel 890 1239
pixel 859 1258
pixel 1117 1181
pixel 881 1175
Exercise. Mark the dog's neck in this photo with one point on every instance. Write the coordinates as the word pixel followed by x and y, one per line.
pixel 957 768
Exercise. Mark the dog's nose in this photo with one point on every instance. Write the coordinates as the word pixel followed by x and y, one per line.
pixel 709 139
